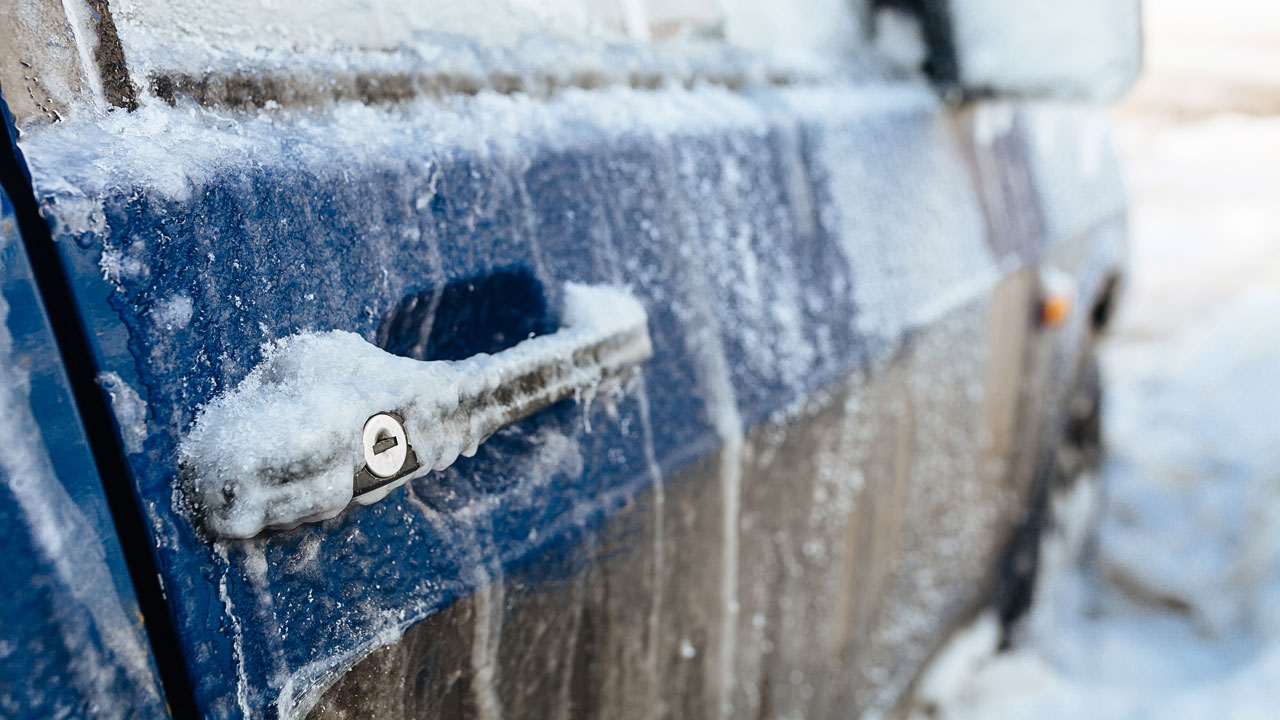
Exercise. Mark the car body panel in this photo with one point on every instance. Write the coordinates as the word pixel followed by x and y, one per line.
pixel 72 642
pixel 785 510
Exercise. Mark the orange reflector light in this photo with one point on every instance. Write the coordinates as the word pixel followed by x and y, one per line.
pixel 1054 310
pixel 1058 295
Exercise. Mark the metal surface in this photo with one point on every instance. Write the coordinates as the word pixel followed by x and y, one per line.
pixel 386 445
pixel 843 587
pixel 783 512
pixel 71 638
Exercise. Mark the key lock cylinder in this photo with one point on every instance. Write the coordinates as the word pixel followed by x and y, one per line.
pixel 388 456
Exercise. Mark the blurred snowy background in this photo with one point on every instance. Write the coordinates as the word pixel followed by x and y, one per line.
pixel 1172 609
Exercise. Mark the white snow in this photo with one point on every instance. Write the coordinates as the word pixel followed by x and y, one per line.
pixel 371 24
pixel 86 46
pixel 129 408
pixel 900 38
pixel 173 313
pixel 915 275
pixel 283 445
pixel 528 43
pixel 190 34
pixel 176 151
pixel 1172 610
pixel 1088 48
pixel 796 27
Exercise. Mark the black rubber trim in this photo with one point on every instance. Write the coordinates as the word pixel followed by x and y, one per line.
pixel 99 424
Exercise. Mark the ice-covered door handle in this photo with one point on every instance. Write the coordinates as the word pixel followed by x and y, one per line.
pixel 328 418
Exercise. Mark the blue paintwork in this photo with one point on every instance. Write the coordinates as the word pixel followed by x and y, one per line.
pixel 71 642
pixel 323 236
pixel 265 251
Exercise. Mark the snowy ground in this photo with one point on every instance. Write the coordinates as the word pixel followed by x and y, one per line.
pixel 1172 610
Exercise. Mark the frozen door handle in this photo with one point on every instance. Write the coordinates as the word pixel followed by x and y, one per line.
pixel 328 418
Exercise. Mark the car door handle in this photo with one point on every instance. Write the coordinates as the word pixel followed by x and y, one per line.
pixel 328 419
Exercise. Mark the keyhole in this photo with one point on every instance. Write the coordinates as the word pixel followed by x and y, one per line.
pixel 386 445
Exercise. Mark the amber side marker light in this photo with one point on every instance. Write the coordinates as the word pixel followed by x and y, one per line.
pixel 1057 298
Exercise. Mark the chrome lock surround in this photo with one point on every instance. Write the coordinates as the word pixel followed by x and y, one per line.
pixel 388 456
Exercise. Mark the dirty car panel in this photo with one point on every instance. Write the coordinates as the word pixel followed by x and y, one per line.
pixel 784 510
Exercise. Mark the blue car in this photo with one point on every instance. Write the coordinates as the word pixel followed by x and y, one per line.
pixel 573 359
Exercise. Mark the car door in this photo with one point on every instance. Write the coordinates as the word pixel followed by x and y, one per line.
pixel 782 505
